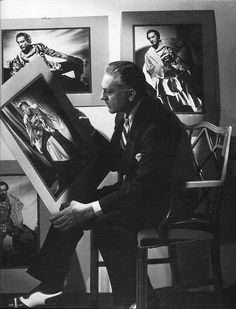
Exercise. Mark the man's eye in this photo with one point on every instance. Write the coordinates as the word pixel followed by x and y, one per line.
pixel 108 92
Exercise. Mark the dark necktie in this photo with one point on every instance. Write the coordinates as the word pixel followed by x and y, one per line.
pixel 125 131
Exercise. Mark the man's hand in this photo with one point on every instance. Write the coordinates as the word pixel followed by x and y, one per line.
pixel 74 213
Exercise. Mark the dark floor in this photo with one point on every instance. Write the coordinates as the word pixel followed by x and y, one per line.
pixel 168 300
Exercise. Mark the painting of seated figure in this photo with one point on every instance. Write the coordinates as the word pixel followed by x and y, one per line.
pixel 19 222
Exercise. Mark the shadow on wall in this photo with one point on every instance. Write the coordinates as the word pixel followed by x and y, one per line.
pixel 139 56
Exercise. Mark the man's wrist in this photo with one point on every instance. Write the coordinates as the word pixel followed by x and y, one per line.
pixel 97 208
pixel 93 208
pixel 84 212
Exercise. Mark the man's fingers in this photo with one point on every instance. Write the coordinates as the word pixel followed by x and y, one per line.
pixel 59 221
pixel 57 216
pixel 64 224
pixel 61 225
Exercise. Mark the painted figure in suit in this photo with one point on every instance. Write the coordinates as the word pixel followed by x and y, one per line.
pixel 168 72
pixel 155 152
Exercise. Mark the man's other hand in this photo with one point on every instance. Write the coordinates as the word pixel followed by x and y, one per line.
pixel 73 213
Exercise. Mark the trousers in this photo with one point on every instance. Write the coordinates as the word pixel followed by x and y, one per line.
pixel 115 235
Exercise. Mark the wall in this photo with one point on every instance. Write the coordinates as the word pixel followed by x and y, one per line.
pixel 225 12
pixel 225 15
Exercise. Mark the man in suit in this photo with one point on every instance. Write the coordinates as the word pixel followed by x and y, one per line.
pixel 148 152
pixel 17 241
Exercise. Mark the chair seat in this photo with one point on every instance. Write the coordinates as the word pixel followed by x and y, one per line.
pixel 179 232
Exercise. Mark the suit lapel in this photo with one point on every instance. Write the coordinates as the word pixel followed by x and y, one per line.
pixel 142 116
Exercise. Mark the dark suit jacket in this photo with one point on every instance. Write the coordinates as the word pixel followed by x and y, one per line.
pixel 159 136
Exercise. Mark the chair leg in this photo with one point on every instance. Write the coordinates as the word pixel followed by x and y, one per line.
pixel 216 269
pixel 141 280
pixel 93 271
pixel 173 260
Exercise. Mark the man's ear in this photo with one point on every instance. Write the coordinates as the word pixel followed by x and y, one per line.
pixel 132 94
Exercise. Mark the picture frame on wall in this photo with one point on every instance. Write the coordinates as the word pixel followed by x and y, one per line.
pixel 69 46
pixel 54 143
pixel 177 51
pixel 19 226
pixel 67 52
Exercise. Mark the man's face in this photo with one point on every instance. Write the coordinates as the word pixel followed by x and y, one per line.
pixel 3 192
pixel 153 39
pixel 23 44
pixel 25 109
pixel 114 95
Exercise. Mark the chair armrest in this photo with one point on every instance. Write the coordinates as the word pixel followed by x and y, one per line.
pixel 195 184
pixel 203 184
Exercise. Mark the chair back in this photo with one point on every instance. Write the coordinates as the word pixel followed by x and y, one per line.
pixel 210 146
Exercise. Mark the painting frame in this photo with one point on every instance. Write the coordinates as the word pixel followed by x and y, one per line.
pixel 98 45
pixel 35 83
pixel 204 18
pixel 20 187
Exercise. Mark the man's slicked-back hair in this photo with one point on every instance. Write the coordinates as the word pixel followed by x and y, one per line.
pixel 25 35
pixel 129 75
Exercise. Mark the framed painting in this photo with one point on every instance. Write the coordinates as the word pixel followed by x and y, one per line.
pixel 177 52
pixel 69 47
pixel 54 142
pixel 19 219
pixel 69 59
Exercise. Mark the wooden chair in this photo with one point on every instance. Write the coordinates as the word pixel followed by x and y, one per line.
pixel 210 145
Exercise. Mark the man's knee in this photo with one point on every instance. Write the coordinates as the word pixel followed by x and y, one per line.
pixel 109 231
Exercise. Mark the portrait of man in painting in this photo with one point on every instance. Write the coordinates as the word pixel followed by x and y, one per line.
pixel 171 59
pixel 44 133
pixel 66 52
pixel 19 230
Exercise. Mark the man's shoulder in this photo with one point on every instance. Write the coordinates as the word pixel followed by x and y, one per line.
pixel 39 46
pixel 150 102
pixel 12 198
pixel 149 109
pixel 171 42
pixel 156 110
